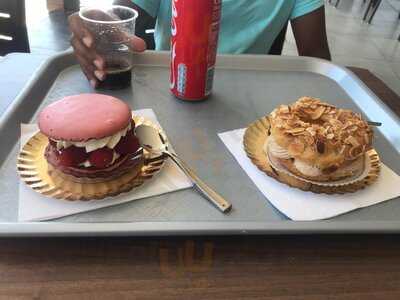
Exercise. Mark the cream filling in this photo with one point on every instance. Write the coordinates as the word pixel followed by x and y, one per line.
pixel 94 144
pixel 277 150
pixel 307 169
pixel 280 152
pixel 87 163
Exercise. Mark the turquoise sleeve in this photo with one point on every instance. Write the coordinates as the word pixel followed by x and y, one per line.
pixel 150 6
pixel 303 7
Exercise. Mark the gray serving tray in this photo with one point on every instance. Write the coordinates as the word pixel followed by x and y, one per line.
pixel 246 87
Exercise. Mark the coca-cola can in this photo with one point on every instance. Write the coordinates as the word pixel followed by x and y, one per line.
pixel 194 41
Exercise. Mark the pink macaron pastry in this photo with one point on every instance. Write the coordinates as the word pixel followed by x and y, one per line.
pixel 91 137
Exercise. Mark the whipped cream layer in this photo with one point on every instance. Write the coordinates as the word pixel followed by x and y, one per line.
pixel 280 152
pixel 306 168
pixel 277 150
pixel 94 144
pixel 272 148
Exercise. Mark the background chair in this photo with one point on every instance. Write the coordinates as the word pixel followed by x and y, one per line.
pixel 13 33
pixel 336 4
pixel 374 5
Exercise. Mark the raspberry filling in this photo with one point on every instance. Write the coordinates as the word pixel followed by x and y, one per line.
pixel 74 156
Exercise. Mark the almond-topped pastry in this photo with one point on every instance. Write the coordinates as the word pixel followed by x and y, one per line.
pixel 317 141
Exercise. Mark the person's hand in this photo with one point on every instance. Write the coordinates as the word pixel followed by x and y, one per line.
pixel 91 62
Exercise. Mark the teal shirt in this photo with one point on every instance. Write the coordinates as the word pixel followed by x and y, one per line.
pixel 247 26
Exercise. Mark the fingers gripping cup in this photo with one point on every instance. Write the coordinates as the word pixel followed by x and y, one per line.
pixel 112 28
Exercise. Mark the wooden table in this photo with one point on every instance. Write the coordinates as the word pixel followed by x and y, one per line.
pixel 259 267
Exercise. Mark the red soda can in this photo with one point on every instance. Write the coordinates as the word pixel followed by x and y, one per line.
pixel 194 41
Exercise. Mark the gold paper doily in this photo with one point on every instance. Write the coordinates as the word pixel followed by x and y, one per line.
pixel 254 139
pixel 35 172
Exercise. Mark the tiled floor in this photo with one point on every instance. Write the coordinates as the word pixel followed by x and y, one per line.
pixel 352 41
pixel 48 32
pixel 355 43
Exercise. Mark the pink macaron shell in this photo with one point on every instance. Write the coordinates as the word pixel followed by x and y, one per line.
pixel 83 117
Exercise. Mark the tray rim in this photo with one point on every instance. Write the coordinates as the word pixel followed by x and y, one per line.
pixel 288 227
pixel 366 100
pixel 328 69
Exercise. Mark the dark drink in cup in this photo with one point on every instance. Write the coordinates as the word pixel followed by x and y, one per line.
pixel 112 28
pixel 118 76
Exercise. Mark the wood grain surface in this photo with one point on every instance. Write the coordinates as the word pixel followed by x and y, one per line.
pixel 251 267
pixel 263 267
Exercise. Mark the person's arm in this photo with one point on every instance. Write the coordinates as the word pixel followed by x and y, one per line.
pixel 82 42
pixel 277 46
pixel 143 22
pixel 310 33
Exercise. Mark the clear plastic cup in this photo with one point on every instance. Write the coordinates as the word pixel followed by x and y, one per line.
pixel 112 28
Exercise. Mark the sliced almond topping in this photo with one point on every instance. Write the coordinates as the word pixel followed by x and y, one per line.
pixel 334 142
pixel 352 128
pixel 347 124
pixel 335 123
pixel 311 131
pixel 299 133
pixel 296 130
pixel 359 133
pixel 317 113
pixel 342 149
pixel 352 141
pixel 285 109
pixel 308 139
pixel 309 122
pixel 332 111
pixel 328 105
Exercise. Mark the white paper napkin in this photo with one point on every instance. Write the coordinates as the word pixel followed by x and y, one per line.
pixel 35 207
pixel 306 206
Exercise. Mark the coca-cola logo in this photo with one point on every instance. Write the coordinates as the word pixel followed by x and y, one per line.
pixel 173 55
pixel 174 16
pixel 174 31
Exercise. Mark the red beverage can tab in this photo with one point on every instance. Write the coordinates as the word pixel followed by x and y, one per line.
pixel 194 42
